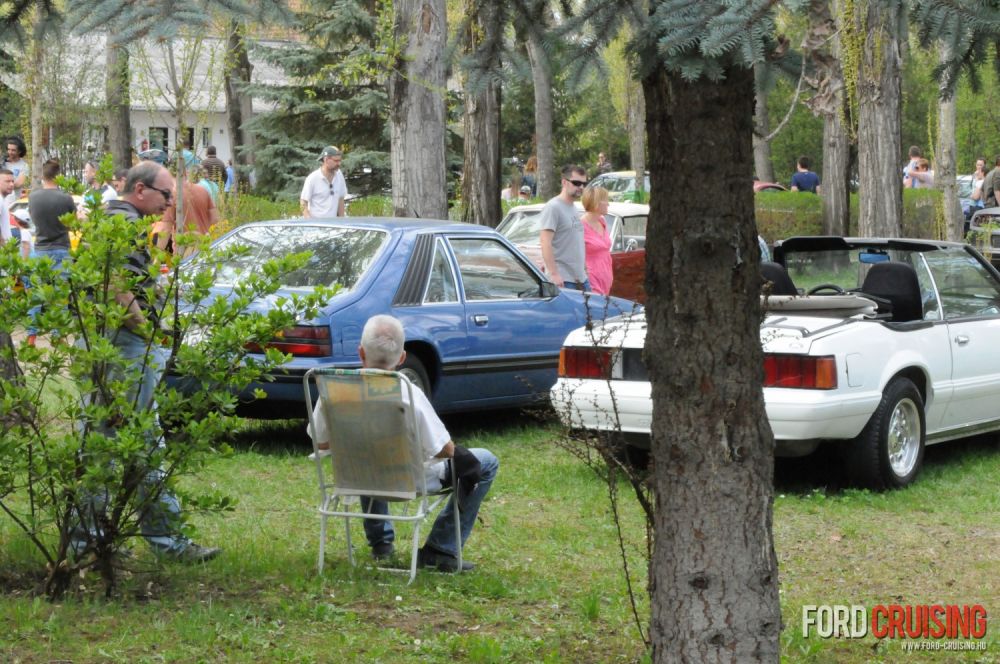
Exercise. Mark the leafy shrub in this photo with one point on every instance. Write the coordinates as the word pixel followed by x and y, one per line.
pixel 82 453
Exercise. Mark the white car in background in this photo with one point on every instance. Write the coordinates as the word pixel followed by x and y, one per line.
pixel 879 346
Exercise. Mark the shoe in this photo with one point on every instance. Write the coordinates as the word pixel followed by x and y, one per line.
pixel 383 551
pixel 195 553
pixel 322 455
pixel 442 562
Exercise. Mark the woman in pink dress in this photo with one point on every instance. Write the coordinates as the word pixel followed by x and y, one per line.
pixel 596 239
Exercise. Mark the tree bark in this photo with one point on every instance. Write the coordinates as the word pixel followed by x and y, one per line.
pixel 836 176
pixel 713 574
pixel 117 95
pixel 762 166
pixel 945 169
pixel 541 78
pixel 481 184
pixel 239 107
pixel 636 132
pixel 879 120
pixel 417 111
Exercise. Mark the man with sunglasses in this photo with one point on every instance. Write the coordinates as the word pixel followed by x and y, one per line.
pixel 561 236
pixel 147 192
pixel 324 190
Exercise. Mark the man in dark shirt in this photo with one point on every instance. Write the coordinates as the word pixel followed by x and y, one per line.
pixel 147 192
pixel 45 206
pixel 804 179
pixel 213 167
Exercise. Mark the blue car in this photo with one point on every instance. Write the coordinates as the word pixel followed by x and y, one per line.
pixel 483 325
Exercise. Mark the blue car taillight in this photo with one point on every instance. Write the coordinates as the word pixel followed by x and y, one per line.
pixel 300 341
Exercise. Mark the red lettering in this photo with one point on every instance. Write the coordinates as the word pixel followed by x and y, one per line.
pixel 958 620
pixel 938 631
pixel 979 621
pixel 896 618
pixel 912 620
pixel 877 631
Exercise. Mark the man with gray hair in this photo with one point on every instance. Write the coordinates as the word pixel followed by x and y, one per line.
pixel 382 342
pixel 147 192
pixel 324 190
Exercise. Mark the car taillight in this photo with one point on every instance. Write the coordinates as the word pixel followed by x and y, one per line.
pixel 800 371
pixel 300 341
pixel 587 363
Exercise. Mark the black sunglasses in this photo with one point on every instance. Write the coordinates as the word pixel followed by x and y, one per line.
pixel 166 193
pixel 578 183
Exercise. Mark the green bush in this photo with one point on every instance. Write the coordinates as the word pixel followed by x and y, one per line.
pixel 782 214
pixel 370 206
pixel 78 442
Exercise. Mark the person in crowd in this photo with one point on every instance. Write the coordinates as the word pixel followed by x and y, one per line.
pixel 603 164
pixel 189 157
pixel 803 179
pixel 118 181
pixel 920 177
pixel 15 163
pixel 197 174
pixel 200 214
pixel 597 242
pixel 382 341
pixel 230 186
pixel 978 177
pixel 148 191
pixel 101 192
pixel 6 220
pixel 507 193
pixel 991 183
pixel 325 189
pixel 525 194
pixel 561 235
pixel 914 153
pixel 213 168
pixel 530 175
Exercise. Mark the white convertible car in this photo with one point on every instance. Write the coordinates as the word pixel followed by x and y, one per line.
pixel 879 346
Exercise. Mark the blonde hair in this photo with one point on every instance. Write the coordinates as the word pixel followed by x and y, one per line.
pixel 594 196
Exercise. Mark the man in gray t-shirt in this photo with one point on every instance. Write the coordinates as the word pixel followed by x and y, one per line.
pixel 561 234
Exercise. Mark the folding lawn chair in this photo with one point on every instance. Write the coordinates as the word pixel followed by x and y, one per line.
pixel 374 452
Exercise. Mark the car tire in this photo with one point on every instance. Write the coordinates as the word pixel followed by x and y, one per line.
pixel 890 449
pixel 414 371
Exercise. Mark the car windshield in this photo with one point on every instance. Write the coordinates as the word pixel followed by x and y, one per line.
pixel 340 256
pixel 521 226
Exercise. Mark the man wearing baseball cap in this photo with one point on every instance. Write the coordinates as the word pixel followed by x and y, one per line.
pixel 325 189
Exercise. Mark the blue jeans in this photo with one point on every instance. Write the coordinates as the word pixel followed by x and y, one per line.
pixel 576 285
pixel 58 257
pixel 442 535
pixel 158 523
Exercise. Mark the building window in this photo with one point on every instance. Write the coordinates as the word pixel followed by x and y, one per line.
pixel 158 137
pixel 206 137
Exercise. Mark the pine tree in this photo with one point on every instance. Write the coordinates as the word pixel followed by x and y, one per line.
pixel 335 95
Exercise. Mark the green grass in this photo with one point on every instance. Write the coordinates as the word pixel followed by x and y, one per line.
pixel 548 587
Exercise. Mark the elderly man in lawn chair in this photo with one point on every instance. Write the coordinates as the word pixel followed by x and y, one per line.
pixel 382 348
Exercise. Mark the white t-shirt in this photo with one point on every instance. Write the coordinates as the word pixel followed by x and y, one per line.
pixel 322 195
pixel 431 433
pixel 4 222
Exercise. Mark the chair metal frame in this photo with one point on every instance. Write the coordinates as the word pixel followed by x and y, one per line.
pixel 338 494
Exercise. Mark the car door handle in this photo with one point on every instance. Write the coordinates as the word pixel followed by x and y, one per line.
pixel 480 319
pixel 961 340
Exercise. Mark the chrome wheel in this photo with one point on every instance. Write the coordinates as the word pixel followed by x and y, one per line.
pixel 903 437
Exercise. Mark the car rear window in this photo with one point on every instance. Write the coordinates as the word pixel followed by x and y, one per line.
pixel 522 226
pixel 340 256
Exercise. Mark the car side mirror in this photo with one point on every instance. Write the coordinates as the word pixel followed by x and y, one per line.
pixel 549 289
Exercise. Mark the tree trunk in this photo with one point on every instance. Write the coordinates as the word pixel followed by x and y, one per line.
pixel 713 574
pixel 836 176
pixel 541 78
pixel 239 106
pixel 116 91
pixel 762 166
pixel 879 120
pixel 36 101
pixel 636 131
pixel 481 184
pixel 945 169
pixel 417 111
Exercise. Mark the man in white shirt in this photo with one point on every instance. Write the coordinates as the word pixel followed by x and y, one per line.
pixel 382 342
pixel 324 191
